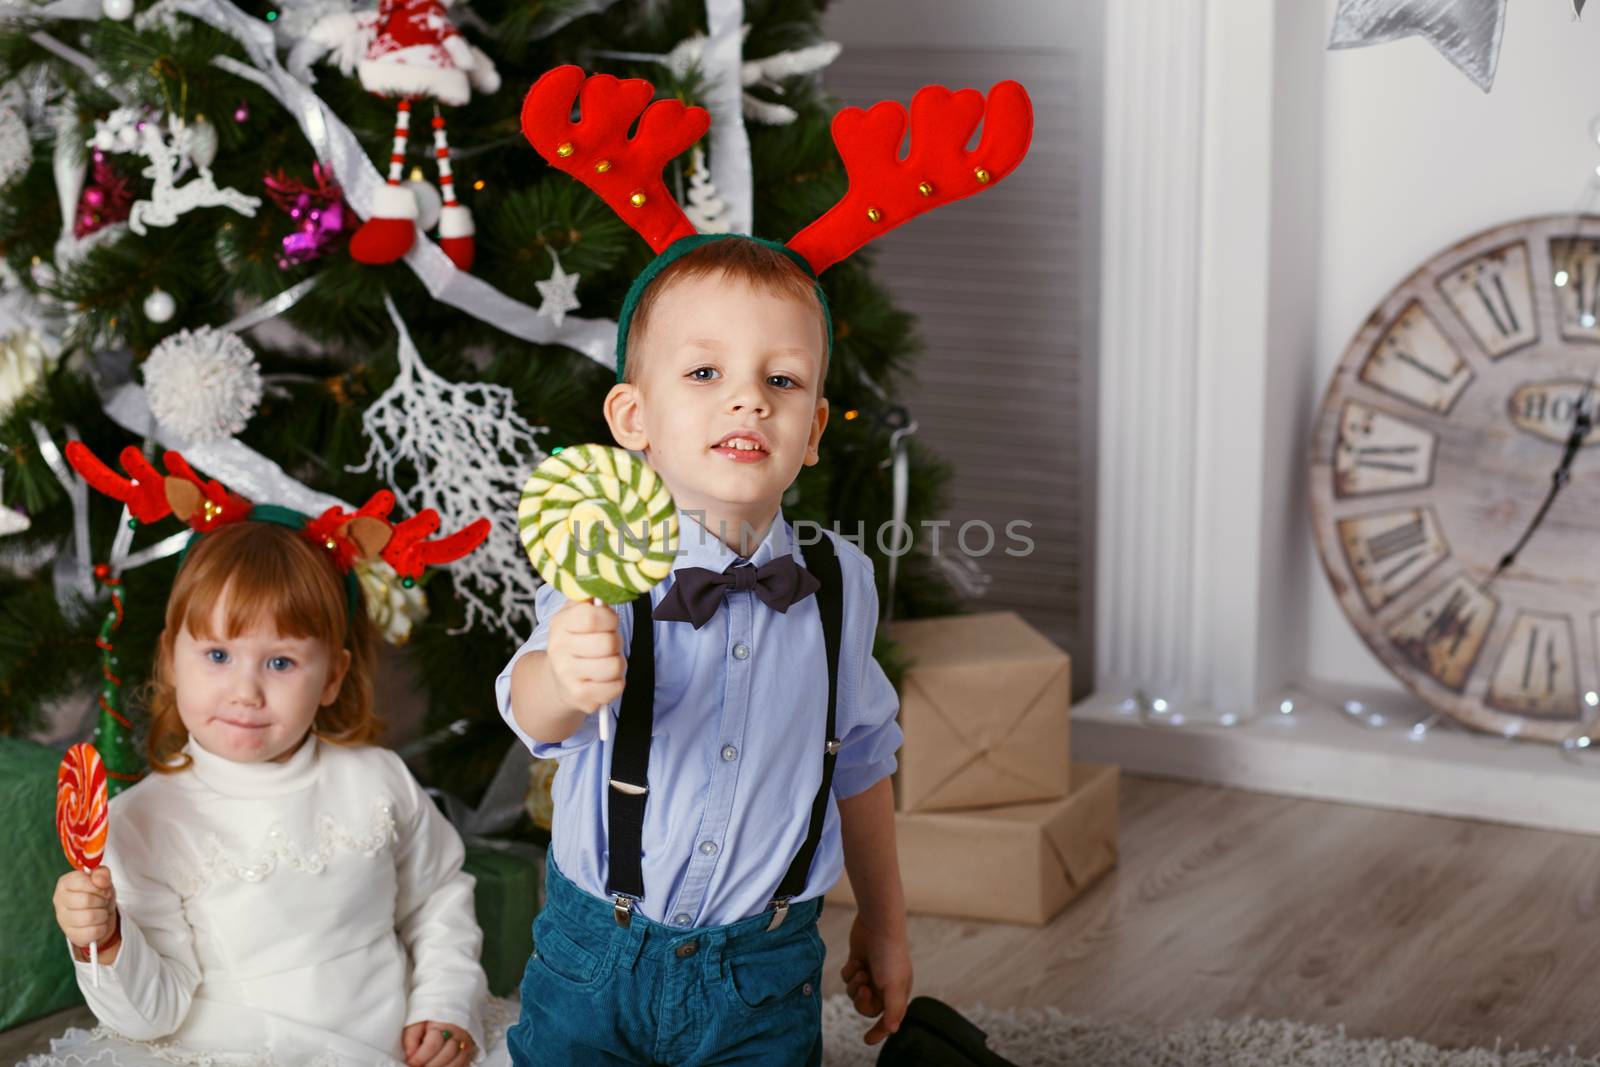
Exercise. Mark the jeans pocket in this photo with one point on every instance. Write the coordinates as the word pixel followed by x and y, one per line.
pixel 772 974
pixel 563 957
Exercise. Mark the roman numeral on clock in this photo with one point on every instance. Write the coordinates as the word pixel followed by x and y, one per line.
pixel 1576 279
pixel 1443 635
pixel 1416 362
pixel 1536 673
pixel 1377 452
pixel 1390 550
pixel 1493 294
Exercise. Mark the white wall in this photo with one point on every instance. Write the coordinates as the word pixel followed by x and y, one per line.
pixel 1415 158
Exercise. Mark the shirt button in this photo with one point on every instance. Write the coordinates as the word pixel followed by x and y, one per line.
pixel 741 651
pixel 708 847
pixel 680 919
pixel 729 753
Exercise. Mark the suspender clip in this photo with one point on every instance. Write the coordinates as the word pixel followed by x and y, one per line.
pixel 780 912
pixel 624 910
pixel 832 747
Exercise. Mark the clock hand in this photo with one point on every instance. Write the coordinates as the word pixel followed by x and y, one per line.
pixel 1582 422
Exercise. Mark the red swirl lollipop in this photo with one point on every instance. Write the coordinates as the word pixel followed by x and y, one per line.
pixel 81 806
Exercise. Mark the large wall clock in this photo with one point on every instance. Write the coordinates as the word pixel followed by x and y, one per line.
pixel 1455 489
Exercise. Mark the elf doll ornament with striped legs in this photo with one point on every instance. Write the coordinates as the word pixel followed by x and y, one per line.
pixel 406 50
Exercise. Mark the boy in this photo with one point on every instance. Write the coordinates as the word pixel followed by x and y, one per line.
pixel 714 956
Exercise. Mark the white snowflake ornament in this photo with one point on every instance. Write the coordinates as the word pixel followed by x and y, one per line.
pixel 560 292
pixel 203 384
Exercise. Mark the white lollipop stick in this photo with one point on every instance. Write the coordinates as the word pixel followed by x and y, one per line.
pixel 603 711
pixel 94 954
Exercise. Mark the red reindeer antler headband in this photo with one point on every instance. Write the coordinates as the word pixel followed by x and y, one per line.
pixel 884 192
pixel 365 533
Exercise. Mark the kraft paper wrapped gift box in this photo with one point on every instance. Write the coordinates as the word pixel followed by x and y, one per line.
pixel 985 707
pixel 1021 863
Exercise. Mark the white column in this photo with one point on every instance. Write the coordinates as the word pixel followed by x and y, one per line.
pixel 1188 191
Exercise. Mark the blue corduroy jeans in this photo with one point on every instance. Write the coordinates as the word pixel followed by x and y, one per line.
pixel 596 993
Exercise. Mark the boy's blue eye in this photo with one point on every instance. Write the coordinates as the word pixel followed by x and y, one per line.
pixel 280 663
pixel 695 374
pixel 782 381
pixel 217 655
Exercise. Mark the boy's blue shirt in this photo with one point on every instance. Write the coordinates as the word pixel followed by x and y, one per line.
pixel 736 757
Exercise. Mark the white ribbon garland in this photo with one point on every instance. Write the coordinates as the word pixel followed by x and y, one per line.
pixel 274 307
pixel 236 465
pixel 85 10
pixel 101 79
pixel 73 574
pixel 723 66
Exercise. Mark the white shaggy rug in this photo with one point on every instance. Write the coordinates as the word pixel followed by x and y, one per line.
pixel 1048 1038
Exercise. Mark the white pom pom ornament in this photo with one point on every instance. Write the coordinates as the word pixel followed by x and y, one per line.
pixel 204 384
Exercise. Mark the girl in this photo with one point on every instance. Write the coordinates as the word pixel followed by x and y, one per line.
pixel 280 890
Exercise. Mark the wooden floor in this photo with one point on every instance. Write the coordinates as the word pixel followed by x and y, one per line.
pixel 1231 904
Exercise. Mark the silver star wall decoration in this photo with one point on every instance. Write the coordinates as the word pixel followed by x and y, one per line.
pixel 1466 32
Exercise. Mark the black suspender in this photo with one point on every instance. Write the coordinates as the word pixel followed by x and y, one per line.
pixel 630 753
pixel 830 604
pixel 630 765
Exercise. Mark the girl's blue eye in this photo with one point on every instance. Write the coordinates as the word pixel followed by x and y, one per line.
pixel 280 663
pixel 217 655
pixel 695 374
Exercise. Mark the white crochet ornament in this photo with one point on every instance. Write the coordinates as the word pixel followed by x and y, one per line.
pixel 203 384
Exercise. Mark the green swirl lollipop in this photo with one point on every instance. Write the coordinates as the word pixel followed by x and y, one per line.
pixel 598 524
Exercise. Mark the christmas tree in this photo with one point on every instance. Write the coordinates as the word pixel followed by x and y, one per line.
pixel 207 240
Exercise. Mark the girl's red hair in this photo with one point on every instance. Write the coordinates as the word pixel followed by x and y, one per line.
pixel 264 573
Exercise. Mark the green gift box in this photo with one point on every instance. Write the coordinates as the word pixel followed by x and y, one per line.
pixel 508 897
pixel 36 975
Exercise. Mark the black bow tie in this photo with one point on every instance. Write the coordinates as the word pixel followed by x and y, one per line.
pixel 696 591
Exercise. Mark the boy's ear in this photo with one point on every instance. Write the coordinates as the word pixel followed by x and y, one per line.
pixel 625 416
pixel 819 422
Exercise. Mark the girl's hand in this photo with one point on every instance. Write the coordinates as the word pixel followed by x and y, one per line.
pixel 86 909
pixel 431 1044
